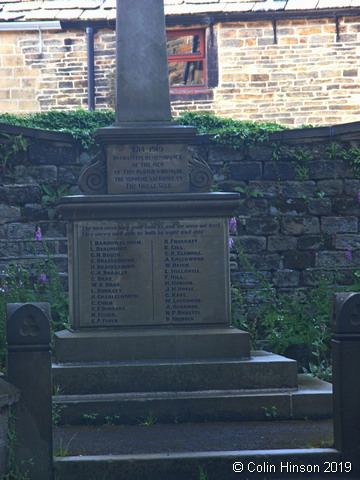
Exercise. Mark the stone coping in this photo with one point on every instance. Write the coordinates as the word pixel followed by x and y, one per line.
pixel 345 129
pixel 176 205
pixel 37 133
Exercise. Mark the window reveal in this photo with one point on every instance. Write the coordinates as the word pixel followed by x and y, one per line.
pixel 186 59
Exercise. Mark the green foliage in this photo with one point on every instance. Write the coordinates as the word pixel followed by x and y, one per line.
pixel 353 157
pixel 270 414
pixel 148 419
pixel 90 418
pixel 301 172
pixel 247 193
pixel 202 473
pixel 10 146
pixel 57 407
pixel 15 471
pixel 278 151
pixel 229 132
pixel 355 287
pixel 283 322
pixel 112 420
pixel 332 151
pixel 21 283
pixel 62 450
pixel 302 155
pixel 79 123
pixel 50 194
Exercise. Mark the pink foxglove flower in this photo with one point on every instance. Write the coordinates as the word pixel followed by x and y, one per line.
pixel 38 235
pixel 233 225
pixel 348 253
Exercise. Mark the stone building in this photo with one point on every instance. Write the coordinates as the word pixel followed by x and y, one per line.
pixel 264 60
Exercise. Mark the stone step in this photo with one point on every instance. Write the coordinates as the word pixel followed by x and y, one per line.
pixel 264 370
pixel 312 399
pixel 150 344
pixel 280 464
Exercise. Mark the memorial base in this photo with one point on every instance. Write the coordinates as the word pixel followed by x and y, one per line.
pixel 150 344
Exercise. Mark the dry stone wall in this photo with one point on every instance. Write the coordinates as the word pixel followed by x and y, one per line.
pixel 299 208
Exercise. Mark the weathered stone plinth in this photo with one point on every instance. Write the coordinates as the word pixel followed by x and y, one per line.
pixel 149 278
pixel 150 344
pixel 148 261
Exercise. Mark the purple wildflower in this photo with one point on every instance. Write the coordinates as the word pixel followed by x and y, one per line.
pixel 38 235
pixel 43 278
pixel 359 196
pixel 348 253
pixel 6 289
pixel 20 284
pixel 233 225
pixel 231 242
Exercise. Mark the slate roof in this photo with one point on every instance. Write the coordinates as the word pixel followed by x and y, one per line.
pixel 28 10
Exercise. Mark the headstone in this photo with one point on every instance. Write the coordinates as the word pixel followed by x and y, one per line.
pixel 148 241
pixel 346 389
pixel 29 369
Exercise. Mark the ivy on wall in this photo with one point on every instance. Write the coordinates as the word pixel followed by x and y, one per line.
pixel 81 124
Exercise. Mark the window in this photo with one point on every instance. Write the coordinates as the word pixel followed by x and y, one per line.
pixel 187 60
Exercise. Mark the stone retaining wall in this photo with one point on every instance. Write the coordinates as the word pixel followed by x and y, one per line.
pixel 298 213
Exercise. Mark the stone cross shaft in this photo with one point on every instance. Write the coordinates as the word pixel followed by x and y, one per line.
pixel 142 85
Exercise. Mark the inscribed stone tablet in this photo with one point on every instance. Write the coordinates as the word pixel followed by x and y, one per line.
pixel 145 273
pixel 147 168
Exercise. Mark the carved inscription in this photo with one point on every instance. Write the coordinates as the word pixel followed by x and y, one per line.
pixel 152 273
pixel 147 168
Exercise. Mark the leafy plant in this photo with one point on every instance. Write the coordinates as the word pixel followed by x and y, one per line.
pixel 112 420
pixel 270 414
pixel 202 473
pixel 50 194
pixel 355 287
pixel 90 418
pixel 283 323
pixel 301 172
pixel 247 192
pixel 79 123
pixel 57 407
pixel 229 132
pixel 22 283
pixel 278 151
pixel 15 471
pixel 10 146
pixel 302 155
pixel 332 150
pixel 148 419
pixel 353 157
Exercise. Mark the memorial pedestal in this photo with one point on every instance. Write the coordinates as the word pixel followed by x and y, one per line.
pixel 149 278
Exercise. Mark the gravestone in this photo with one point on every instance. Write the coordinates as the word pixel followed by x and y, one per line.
pixel 148 241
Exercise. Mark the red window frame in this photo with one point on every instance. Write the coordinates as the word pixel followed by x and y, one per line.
pixel 199 56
